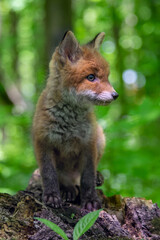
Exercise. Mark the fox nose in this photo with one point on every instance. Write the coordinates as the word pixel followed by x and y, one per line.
pixel 115 95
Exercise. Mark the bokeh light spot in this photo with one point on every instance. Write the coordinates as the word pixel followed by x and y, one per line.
pixel 131 20
pixel 129 76
pixel 136 42
pixel 90 17
pixel 18 5
pixel 145 13
pixel 148 27
pixel 108 47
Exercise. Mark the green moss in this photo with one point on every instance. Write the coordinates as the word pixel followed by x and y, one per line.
pixel 155 226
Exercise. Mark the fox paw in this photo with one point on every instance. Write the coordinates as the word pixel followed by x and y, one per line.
pixel 91 205
pixel 69 194
pixel 52 200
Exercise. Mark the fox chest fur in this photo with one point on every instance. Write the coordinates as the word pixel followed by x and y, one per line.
pixel 66 125
pixel 70 125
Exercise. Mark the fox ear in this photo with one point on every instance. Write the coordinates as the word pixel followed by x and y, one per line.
pixel 97 41
pixel 69 47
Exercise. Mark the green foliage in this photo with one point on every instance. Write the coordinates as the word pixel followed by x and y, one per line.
pixel 130 164
pixel 80 228
pixel 85 223
pixel 54 227
pixel 72 215
pixel 155 228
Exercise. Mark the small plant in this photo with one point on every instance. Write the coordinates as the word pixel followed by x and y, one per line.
pixel 80 228
pixel 85 223
pixel 54 227
pixel 72 215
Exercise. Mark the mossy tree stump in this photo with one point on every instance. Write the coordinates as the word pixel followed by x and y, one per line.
pixel 122 218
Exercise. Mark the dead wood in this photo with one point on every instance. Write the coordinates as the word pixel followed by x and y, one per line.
pixel 122 218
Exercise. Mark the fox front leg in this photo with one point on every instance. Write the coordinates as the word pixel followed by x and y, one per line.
pixel 51 192
pixel 89 198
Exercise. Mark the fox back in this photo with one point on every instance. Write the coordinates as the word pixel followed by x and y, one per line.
pixel 67 139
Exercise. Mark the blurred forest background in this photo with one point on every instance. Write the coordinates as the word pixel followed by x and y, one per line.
pixel 29 32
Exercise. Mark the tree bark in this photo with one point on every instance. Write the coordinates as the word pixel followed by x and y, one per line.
pixel 122 218
pixel 57 21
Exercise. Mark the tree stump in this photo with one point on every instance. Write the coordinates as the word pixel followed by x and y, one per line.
pixel 122 218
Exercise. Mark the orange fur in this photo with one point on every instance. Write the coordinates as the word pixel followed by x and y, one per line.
pixel 67 138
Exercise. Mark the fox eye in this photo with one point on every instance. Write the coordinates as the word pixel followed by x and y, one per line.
pixel 91 77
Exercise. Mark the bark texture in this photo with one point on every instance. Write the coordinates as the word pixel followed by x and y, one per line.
pixel 122 218
pixel 58 20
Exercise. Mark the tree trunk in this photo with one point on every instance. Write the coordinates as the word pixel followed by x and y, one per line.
pixel 14 19
pixel 57 22
pixel 122 218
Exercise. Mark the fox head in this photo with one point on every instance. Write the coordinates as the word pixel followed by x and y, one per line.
pixel 82 70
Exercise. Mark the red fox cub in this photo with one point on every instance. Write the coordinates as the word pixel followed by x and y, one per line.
pixel 68 141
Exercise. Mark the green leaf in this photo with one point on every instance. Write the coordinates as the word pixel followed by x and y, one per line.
pixel 54 227
pixel 72 215
pixel 85 223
